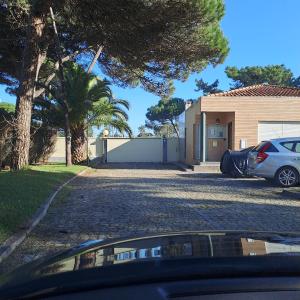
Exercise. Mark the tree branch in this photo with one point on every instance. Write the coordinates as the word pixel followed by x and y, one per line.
pixel 95 59
pixel 69 57
pixel 49 89
pixel 175 128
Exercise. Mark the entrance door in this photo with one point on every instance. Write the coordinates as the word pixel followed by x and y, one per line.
pixel 216 142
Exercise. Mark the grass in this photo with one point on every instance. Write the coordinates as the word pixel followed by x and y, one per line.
pixel 23 192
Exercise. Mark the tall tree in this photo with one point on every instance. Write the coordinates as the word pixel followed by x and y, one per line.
pixel 146 42
pixel 165 112
pixel 161 130
pixel 33 55
pixel 271 74
pixel 7 107
pixel 62 92
pixel 207 88
pixel 143 132
pixel 90 103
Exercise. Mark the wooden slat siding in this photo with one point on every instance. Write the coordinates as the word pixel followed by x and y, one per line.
pixel 230 117
pixel 194 140
pixel 225 118
pixel 192 116
pixel 250 110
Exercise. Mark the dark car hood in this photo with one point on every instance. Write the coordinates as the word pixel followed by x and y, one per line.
pixel 94 254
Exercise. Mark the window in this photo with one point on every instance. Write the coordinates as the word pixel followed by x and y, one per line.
pixel 216 132
pixel 156 252
pixel 260 146
pixel 272 148
pixel 297 147
pixel 288 145
pixel 187 249
pixel 266 147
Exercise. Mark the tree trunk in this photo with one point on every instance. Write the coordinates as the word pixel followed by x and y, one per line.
pixel 79 140
pixel 68 139
pixel 175 128
pixel 96 56
pixel 79 149
pixel 32 57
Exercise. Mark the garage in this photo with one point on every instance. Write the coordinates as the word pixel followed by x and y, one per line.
pixel 273 130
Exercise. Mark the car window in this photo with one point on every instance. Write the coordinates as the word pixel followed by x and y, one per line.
pixel 260 146
pixel 297 147
pixel 267 146
pixel 288 145
pixel 272 148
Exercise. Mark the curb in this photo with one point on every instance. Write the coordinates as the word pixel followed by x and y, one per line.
pixel 16 239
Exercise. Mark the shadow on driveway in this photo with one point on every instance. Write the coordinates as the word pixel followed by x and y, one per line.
pixel 134 166
pixel 122 202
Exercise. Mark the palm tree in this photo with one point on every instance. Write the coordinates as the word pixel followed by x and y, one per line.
pixel 105 112
pixel 90 103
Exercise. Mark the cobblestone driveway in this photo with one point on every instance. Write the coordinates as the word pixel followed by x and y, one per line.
pixel 124 200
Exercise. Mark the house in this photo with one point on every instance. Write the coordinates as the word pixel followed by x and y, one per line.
pixel 237 119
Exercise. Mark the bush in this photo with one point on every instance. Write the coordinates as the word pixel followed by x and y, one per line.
pixel 42 144
pixel 42 138
pixel 6 134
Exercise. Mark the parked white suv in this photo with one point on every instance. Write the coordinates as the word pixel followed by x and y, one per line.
pixel 277 159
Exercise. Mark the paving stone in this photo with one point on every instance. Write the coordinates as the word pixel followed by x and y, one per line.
pixel 126 200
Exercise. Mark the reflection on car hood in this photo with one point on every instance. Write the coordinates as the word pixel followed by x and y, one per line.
pixel 160 247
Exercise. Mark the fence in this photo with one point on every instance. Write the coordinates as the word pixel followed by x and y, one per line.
pixel 156 150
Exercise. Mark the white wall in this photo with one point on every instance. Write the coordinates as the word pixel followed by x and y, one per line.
pixel 125 149
pixel 59 150
pixel 134 150
pixel 173 150
pixel 95 149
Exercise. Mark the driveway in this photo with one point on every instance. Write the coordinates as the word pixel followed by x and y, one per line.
pixel 126 200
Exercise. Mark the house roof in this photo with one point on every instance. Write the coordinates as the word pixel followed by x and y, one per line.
pixel 261 90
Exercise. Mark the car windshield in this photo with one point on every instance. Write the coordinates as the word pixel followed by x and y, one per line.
pixel 140 120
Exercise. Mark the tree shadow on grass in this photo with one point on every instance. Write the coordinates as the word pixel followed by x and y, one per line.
pixel 22 193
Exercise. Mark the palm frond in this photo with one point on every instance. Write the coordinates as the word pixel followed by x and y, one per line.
pixel 121 102
pixel 89 98
pixel 120 113
pixel 120 126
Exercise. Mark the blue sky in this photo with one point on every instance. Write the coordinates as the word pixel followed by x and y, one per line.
pixel 260 32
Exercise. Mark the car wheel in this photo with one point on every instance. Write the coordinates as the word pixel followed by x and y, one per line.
pixel 287 177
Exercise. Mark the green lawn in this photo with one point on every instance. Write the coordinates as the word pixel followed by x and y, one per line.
pixel 22 193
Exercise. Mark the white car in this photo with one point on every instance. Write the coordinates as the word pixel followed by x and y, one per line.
pixel 277 159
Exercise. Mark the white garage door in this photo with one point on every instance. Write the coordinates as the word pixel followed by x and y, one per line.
pixel 273 130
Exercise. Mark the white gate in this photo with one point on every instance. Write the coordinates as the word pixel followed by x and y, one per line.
pixel 117 150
